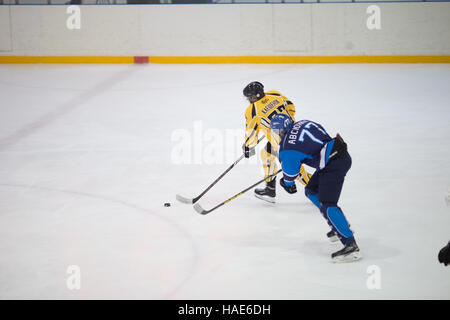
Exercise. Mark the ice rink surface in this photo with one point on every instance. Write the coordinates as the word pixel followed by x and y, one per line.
pixel 88 157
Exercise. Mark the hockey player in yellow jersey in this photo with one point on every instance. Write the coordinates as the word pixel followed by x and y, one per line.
pixel 263 106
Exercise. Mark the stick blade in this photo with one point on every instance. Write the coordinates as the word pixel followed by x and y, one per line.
pixel 199 209
pixel 184 200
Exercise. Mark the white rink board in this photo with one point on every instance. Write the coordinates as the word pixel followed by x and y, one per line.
pixel 332 29
pixel 5 30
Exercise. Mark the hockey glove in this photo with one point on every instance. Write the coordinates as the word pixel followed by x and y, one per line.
pixel 339 147
pixel 289 189
pixel 444 254
pixel 304 176
pixel 248 152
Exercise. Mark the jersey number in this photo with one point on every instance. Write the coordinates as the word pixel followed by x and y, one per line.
pixel 278 110
pixel 304 132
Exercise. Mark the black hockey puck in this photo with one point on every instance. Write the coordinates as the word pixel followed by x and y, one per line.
pixel 167 204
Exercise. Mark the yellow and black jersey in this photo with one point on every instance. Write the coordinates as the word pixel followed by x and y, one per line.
pixel 259 114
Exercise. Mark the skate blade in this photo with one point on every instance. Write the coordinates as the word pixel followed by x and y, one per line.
pixel 354 256
pixel 268 199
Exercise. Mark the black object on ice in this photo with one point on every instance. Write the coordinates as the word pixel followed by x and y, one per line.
pixel 444 254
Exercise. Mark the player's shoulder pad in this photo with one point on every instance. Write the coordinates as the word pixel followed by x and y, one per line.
pixel 274 93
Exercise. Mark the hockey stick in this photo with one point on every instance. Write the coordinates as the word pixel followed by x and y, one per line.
pixel 200 210
pixel 194 200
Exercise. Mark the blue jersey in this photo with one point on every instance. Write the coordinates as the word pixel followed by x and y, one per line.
pixel 305 142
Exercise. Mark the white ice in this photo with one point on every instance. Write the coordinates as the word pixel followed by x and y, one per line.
pixel 86 165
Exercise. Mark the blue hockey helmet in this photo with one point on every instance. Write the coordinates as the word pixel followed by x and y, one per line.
pixel 279 124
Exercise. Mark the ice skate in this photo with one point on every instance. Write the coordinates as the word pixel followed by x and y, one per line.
pixel 332 236
pixel 268 193
pixel 349 253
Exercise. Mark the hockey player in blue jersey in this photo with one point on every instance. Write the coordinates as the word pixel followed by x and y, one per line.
pixel 307 142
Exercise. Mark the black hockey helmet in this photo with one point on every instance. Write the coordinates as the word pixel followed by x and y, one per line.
pixel 254 91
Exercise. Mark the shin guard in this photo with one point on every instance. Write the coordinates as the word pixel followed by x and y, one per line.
pixel 337 221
